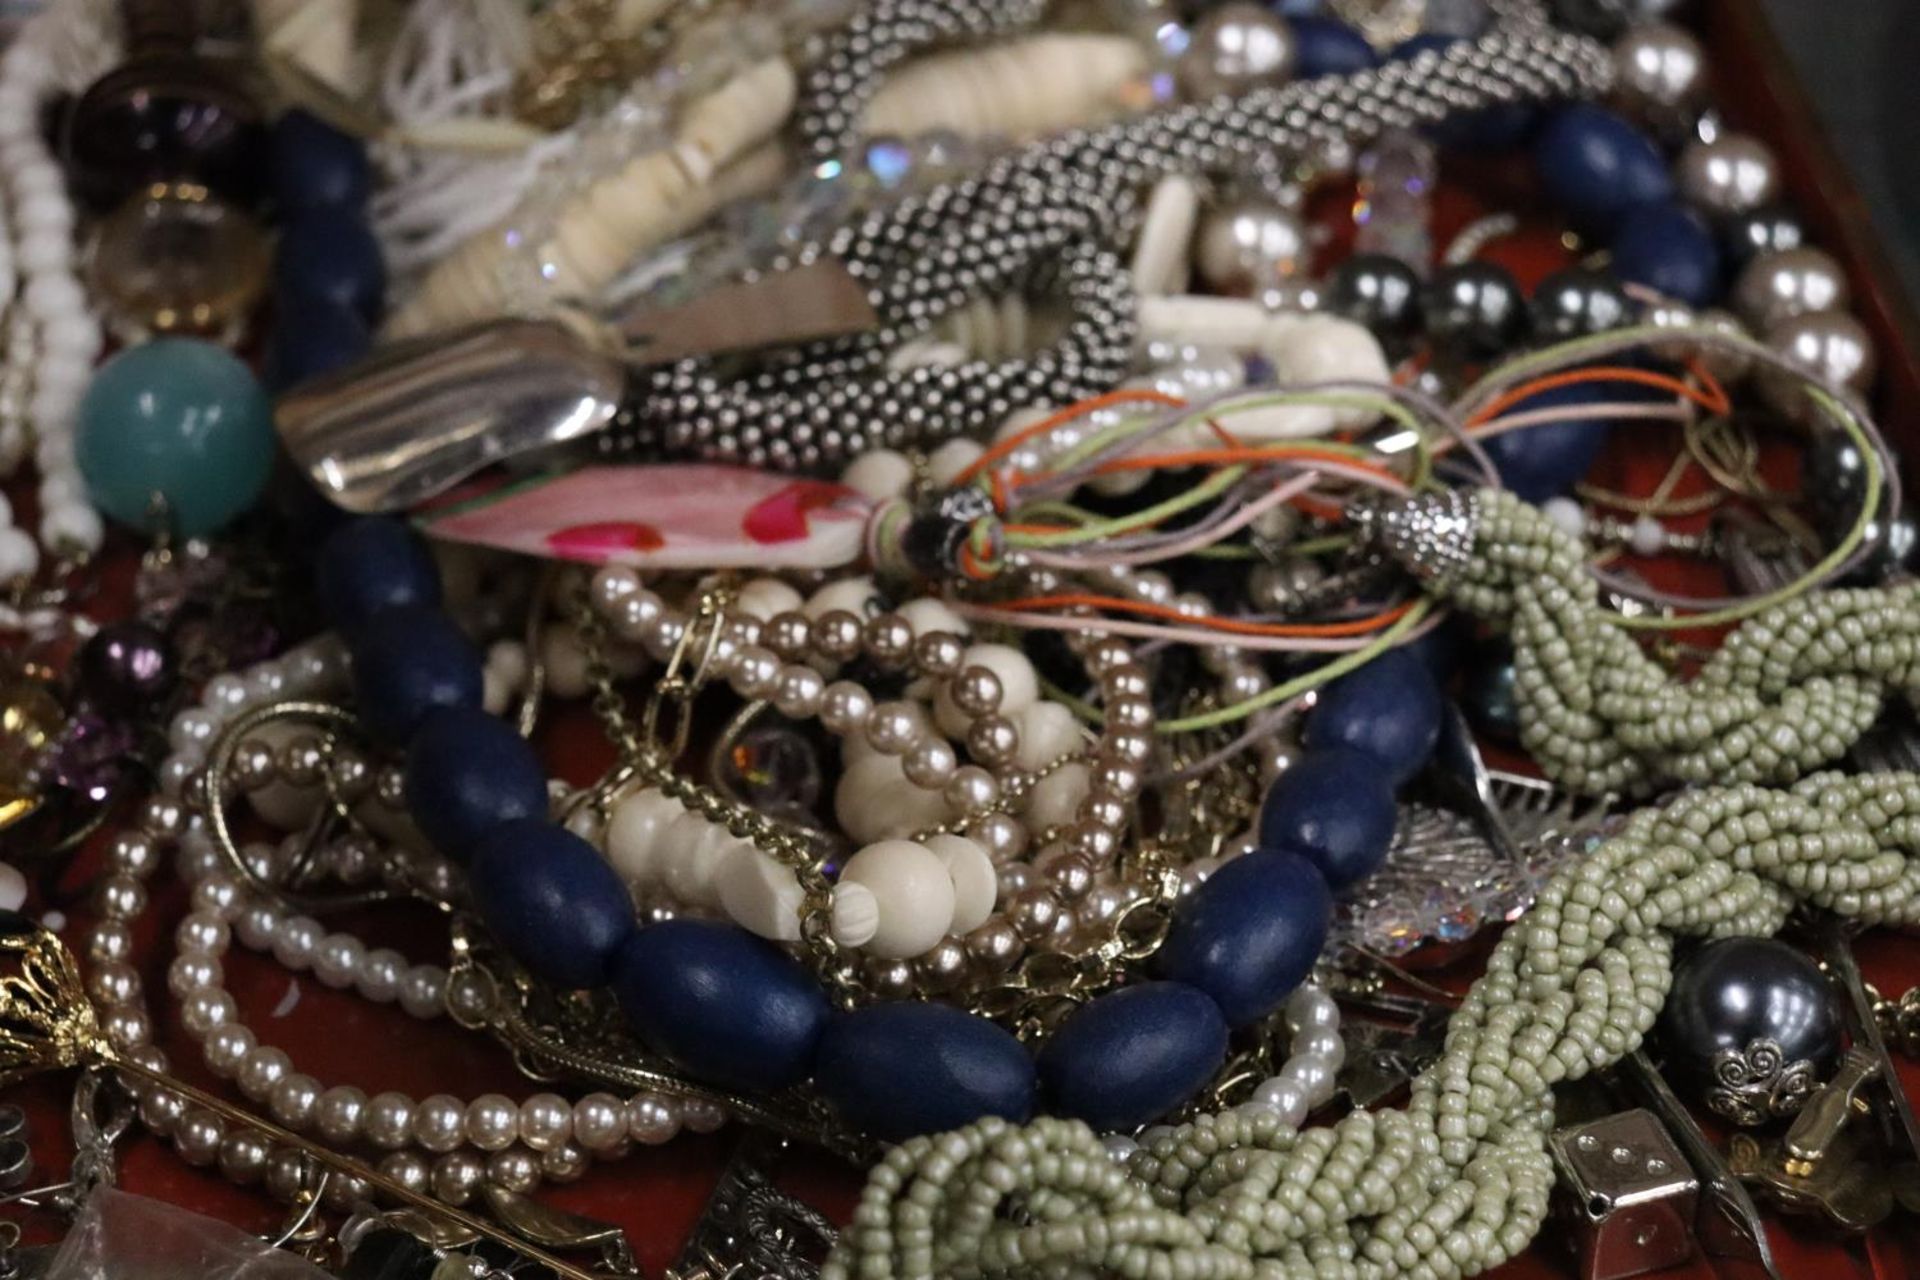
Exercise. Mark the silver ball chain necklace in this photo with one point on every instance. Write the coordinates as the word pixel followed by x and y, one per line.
pixel 1046 220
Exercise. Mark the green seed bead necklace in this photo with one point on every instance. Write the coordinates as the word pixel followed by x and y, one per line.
pixel 1458 1181
pixel 1791 690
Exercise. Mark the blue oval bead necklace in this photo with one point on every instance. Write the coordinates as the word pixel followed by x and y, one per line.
pixel 738 1011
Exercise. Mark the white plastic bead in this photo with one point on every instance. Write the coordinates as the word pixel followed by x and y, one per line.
pixel 1568 514
pixel 880 474
pixel 874 801
pixel 928 615
pixel 71 527
pixel 945 464
pixel 912 891
pixel 634 832
pixel 759 894
pixel 1056 798
pixel 976 884
pixel 690 850
pixel 19 555
pixel 1048 731
pixel 856 596
pixel 762 598
pixel 1648 537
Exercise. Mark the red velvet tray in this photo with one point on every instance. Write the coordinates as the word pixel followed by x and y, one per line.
pixel 657 1194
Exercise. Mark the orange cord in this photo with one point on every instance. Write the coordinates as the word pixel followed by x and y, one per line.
pixel 1232 626
pixel 1713 398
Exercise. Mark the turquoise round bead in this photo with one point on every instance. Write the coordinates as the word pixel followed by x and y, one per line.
pixel 179 419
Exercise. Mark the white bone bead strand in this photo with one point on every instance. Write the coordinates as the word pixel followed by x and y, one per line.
pixel 912 891
pixel 759 894
pixel 1020 88
pixel 657 195
pixel 976 885
pixel 634 830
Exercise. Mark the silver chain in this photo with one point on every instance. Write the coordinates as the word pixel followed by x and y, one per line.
pixel 1045 221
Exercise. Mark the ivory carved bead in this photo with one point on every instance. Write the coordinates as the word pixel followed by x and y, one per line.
pixel 975 883
pixel 1055 799
pixel 912 891
pixel 874 801
pixel 1047 731
pixel 1019 685
pixel 634 831
pixel 857 596
pixel 856 914
pixel 762 598
pixel 759 894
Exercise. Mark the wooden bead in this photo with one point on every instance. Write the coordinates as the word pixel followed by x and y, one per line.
pixel 912 891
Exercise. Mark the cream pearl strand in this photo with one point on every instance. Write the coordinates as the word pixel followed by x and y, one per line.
pixel 461 1143
pixel 54 325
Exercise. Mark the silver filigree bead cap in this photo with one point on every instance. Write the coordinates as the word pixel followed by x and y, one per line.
pixel 1429 535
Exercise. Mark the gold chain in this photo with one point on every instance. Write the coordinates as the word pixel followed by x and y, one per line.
pixel 649 759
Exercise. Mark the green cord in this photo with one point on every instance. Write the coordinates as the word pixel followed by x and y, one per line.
pixel 1311 680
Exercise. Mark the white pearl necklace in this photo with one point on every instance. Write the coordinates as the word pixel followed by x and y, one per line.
pixel 442 1143
pixel 55 334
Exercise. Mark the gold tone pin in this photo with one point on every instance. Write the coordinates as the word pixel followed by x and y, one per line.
pixel 1828 1163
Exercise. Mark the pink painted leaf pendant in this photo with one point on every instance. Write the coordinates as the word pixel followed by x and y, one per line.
pixel 682 516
